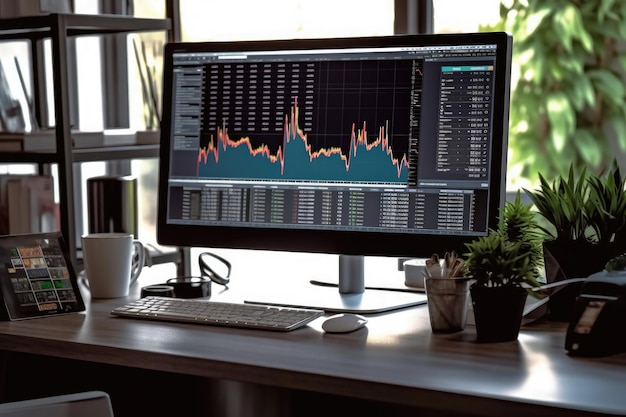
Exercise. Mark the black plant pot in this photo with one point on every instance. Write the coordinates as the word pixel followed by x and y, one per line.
pixel 498 312
pixel 567 260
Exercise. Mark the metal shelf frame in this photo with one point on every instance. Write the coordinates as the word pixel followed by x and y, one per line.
pixel 60 29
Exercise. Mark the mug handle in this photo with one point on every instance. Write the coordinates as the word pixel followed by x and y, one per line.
pixel 138 261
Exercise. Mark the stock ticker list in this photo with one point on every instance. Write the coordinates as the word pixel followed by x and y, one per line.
pixel 325 208
pixel 465 119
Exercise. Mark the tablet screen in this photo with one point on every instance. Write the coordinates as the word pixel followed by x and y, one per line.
pixel 36 276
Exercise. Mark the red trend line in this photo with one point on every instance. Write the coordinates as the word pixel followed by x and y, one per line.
pixel 291 131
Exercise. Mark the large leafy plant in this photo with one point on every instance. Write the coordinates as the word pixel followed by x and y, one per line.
pixel 563 204
pixel 583 207
pixel 607 207
pixel 568 97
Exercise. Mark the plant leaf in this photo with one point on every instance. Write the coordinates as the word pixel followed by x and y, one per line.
pixel 562 118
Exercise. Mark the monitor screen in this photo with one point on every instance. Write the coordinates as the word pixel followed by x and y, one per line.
pixel 388 146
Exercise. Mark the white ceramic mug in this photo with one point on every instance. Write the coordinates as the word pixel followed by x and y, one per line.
pixel 113 262
pixel 414 272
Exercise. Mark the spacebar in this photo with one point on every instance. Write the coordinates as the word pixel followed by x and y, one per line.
pixel 187 317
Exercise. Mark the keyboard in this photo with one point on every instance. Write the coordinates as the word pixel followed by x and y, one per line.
pixel 217 313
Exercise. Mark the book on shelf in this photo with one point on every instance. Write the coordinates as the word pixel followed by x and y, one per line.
pixel 129 136
pixel 30 204
pixel 9 144
pixel 16 141
pixel 44 140
pixel 121 136
pixel 17 204
pixel 118 137
pixel 148 137
pixel 4 205
pixel 15 8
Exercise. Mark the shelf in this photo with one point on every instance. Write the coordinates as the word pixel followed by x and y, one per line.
pixel 109 153
pixel 25 157
pixel 116 152
pixel 39 27
pixel 59 28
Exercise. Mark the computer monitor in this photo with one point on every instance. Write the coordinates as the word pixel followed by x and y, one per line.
pixel 387 146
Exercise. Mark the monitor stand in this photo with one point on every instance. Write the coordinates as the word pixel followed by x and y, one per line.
pixel 350 296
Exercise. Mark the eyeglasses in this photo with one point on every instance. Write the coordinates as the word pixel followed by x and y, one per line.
pixel 214 267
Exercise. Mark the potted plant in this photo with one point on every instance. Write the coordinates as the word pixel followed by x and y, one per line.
pixel 504 267
pixel 583 224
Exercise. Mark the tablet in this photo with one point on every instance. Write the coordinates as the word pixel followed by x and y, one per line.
pixel 37 278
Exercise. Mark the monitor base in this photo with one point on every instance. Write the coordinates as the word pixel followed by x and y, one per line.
pixel 330 300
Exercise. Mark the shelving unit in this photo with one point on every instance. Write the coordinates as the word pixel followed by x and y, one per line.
pixel 59 28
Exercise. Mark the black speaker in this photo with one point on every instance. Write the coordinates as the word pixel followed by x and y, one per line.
pixel 112 204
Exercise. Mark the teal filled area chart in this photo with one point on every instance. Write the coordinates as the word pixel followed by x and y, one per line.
pixel 295 159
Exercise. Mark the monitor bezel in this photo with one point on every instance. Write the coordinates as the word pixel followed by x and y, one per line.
pixel 332 241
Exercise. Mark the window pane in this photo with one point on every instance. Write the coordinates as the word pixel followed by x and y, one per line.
pixel 454 16
pixel 89 81
pixel 282 19
pixel 15 87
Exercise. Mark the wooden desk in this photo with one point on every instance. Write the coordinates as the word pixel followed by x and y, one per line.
pixel 395 362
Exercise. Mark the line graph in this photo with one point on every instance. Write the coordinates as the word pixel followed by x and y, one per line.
pixel 295 158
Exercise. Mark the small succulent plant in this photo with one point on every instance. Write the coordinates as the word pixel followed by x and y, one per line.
pixel 510 255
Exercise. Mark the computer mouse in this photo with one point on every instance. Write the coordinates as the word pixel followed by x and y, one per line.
pixel 343 323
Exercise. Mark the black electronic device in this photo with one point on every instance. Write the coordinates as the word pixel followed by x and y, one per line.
pixel 383 146
pixel 598 325
pixel 190 287
pixel 37 278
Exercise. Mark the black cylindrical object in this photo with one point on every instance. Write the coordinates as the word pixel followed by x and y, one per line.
pixel 112 204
